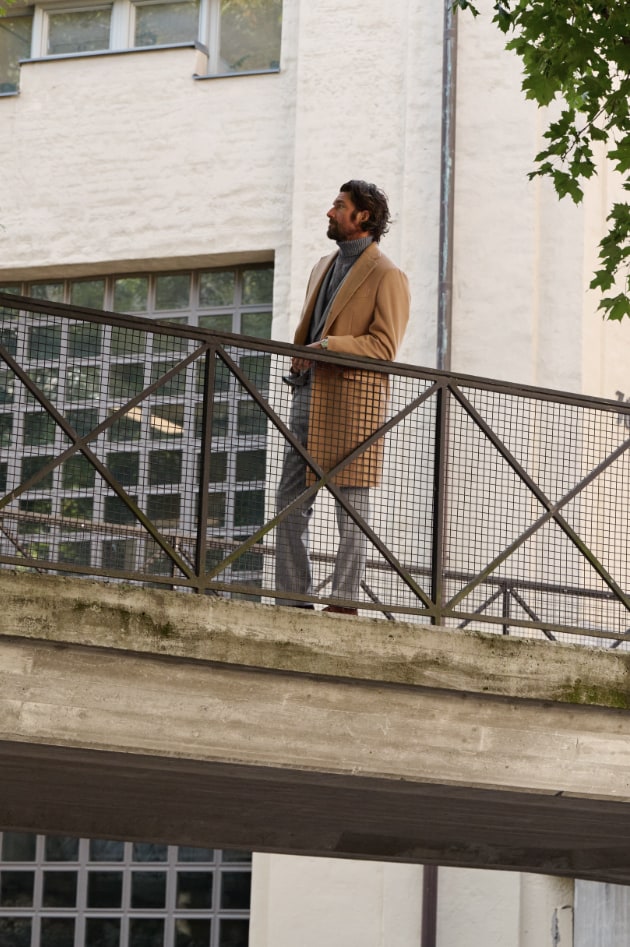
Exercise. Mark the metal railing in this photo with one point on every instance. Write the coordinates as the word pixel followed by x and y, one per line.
pixel 151 452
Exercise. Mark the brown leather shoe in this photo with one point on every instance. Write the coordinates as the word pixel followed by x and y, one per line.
pixel 340 610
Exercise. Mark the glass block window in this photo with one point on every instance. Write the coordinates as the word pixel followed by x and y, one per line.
pixel 69 514
pixel 70 892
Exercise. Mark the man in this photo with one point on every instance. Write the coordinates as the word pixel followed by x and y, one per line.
pixel 357 303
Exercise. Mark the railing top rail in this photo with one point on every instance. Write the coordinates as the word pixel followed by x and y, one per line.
pixel 210 337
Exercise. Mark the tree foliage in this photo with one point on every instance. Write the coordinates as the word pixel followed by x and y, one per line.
pixel 577 52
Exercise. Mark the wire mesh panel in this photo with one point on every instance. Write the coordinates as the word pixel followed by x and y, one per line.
pixel 179 457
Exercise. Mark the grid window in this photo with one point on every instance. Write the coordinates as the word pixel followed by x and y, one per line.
pixel 240 36
pixel 70 892
pixel 74 515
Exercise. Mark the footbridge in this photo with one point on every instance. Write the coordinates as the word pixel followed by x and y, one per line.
pixel 157 715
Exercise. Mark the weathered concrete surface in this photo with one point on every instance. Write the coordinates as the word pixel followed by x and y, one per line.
pixel 158 715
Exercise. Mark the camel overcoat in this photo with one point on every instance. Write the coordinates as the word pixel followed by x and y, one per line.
pixel 368 317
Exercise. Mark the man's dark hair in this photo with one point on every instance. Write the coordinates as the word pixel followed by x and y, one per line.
pixel 369 197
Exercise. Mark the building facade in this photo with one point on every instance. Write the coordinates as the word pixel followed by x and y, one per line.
pixel 176 160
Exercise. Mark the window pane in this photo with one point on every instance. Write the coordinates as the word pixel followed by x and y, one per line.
pixel 61 848
pixel 187 853
pixel 216 323
pixel 57 932
pixel 83 383
pixel 175 387
pixel 119 554
pixel 146 933
pixel 78 31
pixel 77 473
pixel 258 369
pixel 106 850
pixel 162 23
pixel 117 511
pixel 148 889
pixel 131 294
pixel 47 380
pixel 16 889
pixel 192 932
pixel 258 286
pixel 194 890
pixel 6 429
pixel 128 427
pixel 8 338
pixel 234 933
pixel 15 44
pixel 7 385
pixel 84 340
pixel 44 508
pixel 104 889
pixel 16 931
pixel 165 466
pixel 39 428
pixel 251 465
pixel 125 466
pixel 31 466
pixel 102 932
pixel 163 510
pixel 44 342
pixel 235 855
pixel 88 293
pixel 128 341
pixel 3 477
pixel 125 381
pixel 83 421
pixel 60 889
pixel 216 509
pixel 78 508
pixel 167 420
pixel 250 34
pixel 257 324
pixel 249 507
pixel 149 852
pixel 251 419
pixel 216 289
pixel 78 553
pixel 53 292
pixel 235 890
pixel 171 292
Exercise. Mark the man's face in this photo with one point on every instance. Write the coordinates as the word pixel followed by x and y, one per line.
pixel 345 222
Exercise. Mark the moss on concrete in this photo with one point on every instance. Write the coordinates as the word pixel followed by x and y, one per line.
pixel 581 692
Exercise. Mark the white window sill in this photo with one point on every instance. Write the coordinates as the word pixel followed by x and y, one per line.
pixel 113 52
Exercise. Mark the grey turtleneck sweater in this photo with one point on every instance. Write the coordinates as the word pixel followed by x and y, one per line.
pixel 349 253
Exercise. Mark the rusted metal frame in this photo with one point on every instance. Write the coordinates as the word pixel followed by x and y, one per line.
pixel 204 471
pixel 80 444
pixel 440 460
pixel 552 509
pixel 324 480
pixel 532 614
pixel 15 542
pixel 479 611
pixel 505 607
pixel 468 617
pixel 383 608
pixel 156 326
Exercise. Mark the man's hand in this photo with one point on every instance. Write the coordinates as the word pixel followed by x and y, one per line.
pixel 303 364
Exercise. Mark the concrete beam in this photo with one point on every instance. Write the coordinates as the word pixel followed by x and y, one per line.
pixel 157 715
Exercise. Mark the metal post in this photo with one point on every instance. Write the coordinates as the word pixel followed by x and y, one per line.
pixel 204 470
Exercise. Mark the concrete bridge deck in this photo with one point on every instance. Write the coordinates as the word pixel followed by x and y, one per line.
pixel 155 715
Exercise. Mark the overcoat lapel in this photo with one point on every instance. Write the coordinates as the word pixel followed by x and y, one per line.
pixel 355 278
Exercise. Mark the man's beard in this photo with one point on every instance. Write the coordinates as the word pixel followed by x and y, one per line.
pixel 333 231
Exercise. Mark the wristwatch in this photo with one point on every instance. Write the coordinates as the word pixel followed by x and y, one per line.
pixel 324 342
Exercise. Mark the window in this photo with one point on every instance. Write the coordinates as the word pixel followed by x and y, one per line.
pixel 240 35
pixel 15 44
pixel 70 892
pixel 69 514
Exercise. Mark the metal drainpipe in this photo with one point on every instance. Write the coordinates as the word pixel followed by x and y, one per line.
pixel 444 328
pixel 447 187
